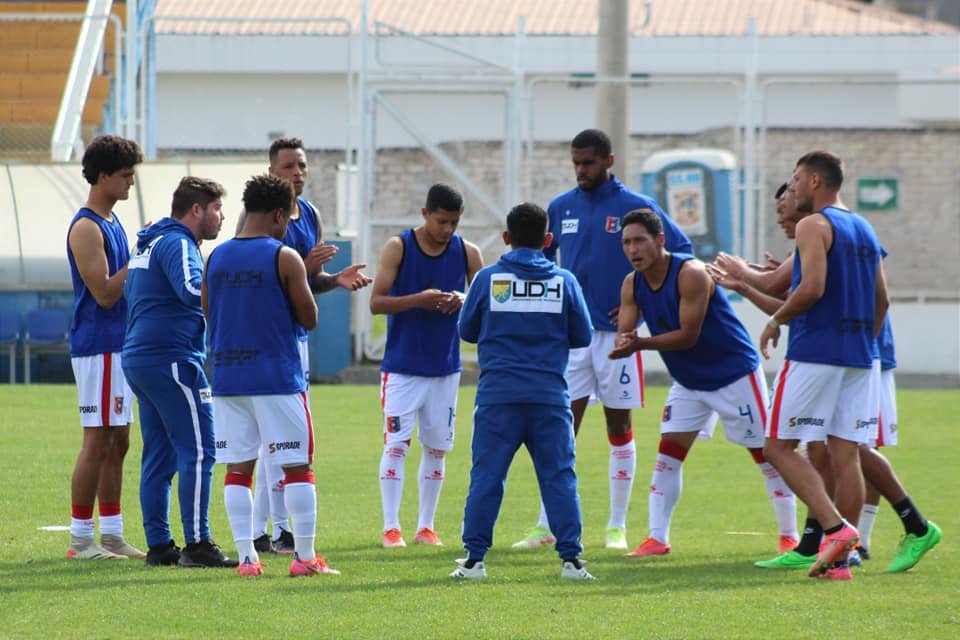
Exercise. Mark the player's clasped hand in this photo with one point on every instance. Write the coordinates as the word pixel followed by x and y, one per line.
pixel 626 344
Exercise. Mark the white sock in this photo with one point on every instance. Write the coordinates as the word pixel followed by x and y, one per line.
pixel 543 522
pixel 238 501
pixel 868 514
pixel 111 525
pixel 431 481
pixel 278 510
pixel 783 499
pixel 300 499
pixel 623 466
pixel 261 501
pixel 391 482
pixel 665 487
pixel 81 528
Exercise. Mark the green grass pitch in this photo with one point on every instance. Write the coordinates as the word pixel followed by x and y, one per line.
pixel 708 588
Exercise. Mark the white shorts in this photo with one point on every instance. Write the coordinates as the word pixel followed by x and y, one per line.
pixel 617 384
pixel 304 347
pixel 887 431
pixel 430 401
pixel 105 397
pixel 741 405
pixel 812 401
pixel 276 429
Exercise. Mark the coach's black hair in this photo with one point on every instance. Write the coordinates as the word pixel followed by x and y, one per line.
pixel 527 224
pixel 192 191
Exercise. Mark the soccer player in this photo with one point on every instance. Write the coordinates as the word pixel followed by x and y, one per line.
pixel 525 314
pixel 288 160
pixel 255 293
pixel 97 250
pixel 716 370
pixel 920 535
pixel 836 306
pixel 420 283
pixel 163 357
pixel 585 223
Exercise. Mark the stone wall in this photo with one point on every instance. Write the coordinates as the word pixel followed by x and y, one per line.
pixel 923 251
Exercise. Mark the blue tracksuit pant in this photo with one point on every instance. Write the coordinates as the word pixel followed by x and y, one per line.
pixel 176 420
pixel 547 432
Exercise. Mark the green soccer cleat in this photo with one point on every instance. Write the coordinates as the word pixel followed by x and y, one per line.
pixel 535 538
pixel 616 538
pixel 913 547
pixel 787 561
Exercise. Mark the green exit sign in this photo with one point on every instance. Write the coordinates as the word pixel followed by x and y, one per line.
pixel 878 194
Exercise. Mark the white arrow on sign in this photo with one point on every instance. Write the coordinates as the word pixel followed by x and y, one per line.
pixel 877 195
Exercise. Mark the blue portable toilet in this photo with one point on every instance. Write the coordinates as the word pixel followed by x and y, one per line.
pixel 696 188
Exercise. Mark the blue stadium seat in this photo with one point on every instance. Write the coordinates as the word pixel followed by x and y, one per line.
pixel 9 337
pixel 47 332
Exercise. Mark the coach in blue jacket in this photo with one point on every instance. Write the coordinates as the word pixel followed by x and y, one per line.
pixel 163 356
pixel 525 314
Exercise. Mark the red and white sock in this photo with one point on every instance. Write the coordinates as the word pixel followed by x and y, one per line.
pixel 391 482
pixel 783 499
pixel 111 521
pixel 238 500
pixel 81 521
pixel 432 464
pixel 300 499
pixel 623 466
pixel 665 488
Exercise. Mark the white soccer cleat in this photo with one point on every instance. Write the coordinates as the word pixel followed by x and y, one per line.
pixel 571 571
pixel 476 572
pixel 87 549
pixel 116 544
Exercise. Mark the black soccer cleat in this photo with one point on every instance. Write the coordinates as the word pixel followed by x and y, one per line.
pixel 164 555
pixel 263 544
pixel 284 542
pixel 205 553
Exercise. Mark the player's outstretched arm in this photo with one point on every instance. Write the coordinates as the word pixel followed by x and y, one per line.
pixel 86 243
pixel 293 275
pixel 771 282
pixel 767 304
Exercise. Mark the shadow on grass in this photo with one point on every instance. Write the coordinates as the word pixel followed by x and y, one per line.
pixel 61 575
